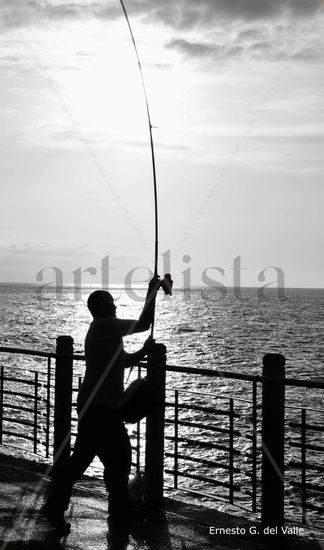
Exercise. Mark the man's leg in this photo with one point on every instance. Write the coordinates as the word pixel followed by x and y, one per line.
pixel 60 489
pixel 115 453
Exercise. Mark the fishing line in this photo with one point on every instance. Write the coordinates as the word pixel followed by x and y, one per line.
pixel 156 225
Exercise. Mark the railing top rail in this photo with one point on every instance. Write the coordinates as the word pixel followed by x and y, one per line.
pixel 51 354
pixel 247 377
pixel 214 373
pixel 187 370
pixel 22 351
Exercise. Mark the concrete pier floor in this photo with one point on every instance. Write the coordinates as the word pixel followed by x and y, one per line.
pixel 178 526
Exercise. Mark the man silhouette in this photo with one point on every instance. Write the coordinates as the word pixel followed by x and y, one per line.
pixel 101 430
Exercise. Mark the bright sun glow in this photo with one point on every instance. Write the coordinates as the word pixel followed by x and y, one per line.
pixel 103 91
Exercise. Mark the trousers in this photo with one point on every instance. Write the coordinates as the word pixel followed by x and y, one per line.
pixel 101 432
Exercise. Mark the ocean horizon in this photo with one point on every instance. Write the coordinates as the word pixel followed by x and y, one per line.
pixel 199 326
pixel 144 286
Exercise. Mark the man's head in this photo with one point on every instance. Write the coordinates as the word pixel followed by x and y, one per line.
pixel 101 304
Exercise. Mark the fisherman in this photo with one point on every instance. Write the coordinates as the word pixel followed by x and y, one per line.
pixel 101 430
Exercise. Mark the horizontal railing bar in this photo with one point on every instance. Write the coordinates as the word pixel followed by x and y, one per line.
pixel 202 444
pixel 247 377
pixel 311 506
pixel 309 486
pixel 295 464
pixel 19 394
pixel 202 426
pixel 16 434
pixel 23 381
pixel 40 398
pixel 17 407
pixel 204 479
pixel 318 448
pixel 251 436
pixel 189 370
pixel 202 409
pixel 19 421
pixel 295 382
pixel 313 427
pixel 246 492
pixel 204 461
pixel 299 407
pixel 196 492
pixel 20 380
pixel 207 495
pixel 21 351
pixel 212 372
pixel 250 455
pixel 36 353
pixel 206 394
pixel 251 475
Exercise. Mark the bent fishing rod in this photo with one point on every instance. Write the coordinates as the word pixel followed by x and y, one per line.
pixel 166 283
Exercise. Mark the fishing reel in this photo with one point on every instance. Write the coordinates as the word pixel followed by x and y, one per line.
pixel 167 284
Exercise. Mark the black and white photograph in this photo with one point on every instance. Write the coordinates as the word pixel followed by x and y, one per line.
pixel 161 274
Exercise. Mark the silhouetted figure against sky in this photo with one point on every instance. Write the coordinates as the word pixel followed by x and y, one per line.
pixel 101 430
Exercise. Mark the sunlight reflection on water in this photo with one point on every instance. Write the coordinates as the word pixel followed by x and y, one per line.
pixel 208 332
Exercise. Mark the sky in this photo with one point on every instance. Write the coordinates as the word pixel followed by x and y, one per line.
pixel 235 91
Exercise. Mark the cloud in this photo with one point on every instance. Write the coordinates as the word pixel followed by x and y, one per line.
pixel 44 249
pixel 272 43
pixel 179 14
pixel 308 54
pixel 15 13
pixel 201 50
pixel 191 49
pixel 187 14
pixel 266 50
pixel 249 34
pixel 257 27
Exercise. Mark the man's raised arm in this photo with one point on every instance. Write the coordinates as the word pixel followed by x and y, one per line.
pixel 147 314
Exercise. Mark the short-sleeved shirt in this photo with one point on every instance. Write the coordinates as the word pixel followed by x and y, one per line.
pixel 103 382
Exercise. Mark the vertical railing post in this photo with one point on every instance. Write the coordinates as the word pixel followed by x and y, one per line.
pixel 138 435
pixel 273 416
pixel 254 446
pixel 35 411
pixel 1 401
pixel 63 400
pixel 176 436
pixel 231 451
pixel 154 445
pixel 303 466
pixel 48 405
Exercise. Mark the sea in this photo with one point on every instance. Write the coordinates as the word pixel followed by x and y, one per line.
pixel 202 328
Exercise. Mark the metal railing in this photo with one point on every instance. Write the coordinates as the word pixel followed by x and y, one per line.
pixel 213 442
pixel 219 439
pixel 26 409
pixel 305 465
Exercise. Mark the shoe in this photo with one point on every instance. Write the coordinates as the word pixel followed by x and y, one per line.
pixel 56 519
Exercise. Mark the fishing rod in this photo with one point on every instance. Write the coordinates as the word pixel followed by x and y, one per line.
pixel 156 243
pixel 166 283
